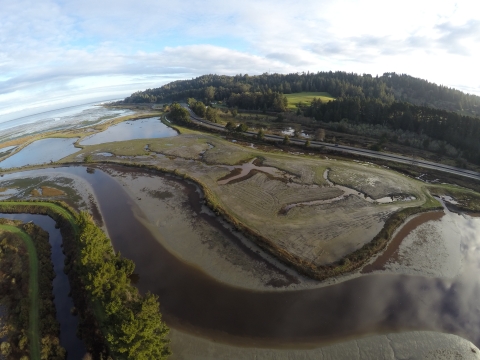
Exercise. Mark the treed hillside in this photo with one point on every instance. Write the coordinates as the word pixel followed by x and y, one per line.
pixel 451 128
pixel 394 102
pixel 421 92
pixel 387 88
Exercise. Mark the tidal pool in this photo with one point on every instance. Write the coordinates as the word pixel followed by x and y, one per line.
pixel 61 286
pixel 129 130
pixel 376 303
pixel 41 152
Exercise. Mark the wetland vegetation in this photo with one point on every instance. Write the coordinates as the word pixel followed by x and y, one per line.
pixel 31 328
pixel 303 215
pixel 102 289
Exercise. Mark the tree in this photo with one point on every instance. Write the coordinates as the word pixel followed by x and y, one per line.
pixel 230 126
pixel 260 135
pixel 138 332
pixel 234 112
pixel 320 134
pixel 179 114
pixel 426 143
pixel 211 114
pixel 191 102
pixel 5 348
pixel 199 108
pixel 209 93
pixel 307 143
pixel 286 140
pixel 241 128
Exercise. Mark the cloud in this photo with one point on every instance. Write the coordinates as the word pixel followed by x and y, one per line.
pixel 459 39
pixel 52 49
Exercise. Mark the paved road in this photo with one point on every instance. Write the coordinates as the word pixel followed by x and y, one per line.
pixel 351 150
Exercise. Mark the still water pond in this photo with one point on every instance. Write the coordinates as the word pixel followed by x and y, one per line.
pixel 374 303
pixel 41 152
pixel 129 130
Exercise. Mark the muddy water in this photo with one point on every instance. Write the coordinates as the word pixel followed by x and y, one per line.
pixel 61 286
pixel 392 249
pixel 377 303
pixel 41 152
pixel 129 130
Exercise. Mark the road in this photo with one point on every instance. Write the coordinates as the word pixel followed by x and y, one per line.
pixel 349 149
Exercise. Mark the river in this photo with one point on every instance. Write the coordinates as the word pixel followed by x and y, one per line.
pixel 375 303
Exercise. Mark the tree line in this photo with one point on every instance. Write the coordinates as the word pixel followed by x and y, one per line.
pixel 458 130
pixel 387 88
pixel 395 101
pixel 131 323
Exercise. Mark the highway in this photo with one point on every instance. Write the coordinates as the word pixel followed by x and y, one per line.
pixel 348 149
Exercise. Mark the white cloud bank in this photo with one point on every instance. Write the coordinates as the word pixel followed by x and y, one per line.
pixel 56 53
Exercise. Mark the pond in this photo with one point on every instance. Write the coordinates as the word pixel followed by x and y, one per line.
pixel 375 303
pixel 61 286
pixel 129 130
pixel 41 152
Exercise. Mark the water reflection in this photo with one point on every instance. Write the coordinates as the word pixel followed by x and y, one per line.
pixel 130 130
pixel 41 152
pixel 376 303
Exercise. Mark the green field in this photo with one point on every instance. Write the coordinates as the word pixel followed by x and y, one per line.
pixel 306 98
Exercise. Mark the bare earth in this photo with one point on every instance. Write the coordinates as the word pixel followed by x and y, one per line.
pixel 421 345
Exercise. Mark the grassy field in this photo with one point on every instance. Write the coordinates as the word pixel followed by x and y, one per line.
pixel 306 98
pixel 33 285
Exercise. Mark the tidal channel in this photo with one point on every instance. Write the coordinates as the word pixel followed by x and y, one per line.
pixel 375 303
pixel 61 286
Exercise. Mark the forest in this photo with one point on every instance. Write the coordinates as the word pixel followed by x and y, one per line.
pixel 131 323
pixel 394 101
pixel 451 128
pixel 387 88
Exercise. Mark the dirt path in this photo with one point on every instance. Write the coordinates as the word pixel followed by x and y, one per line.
pixel 34 321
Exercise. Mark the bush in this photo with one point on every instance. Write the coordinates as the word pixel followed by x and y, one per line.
pixel 5 348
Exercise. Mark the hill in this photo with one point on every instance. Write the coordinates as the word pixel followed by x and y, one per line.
pixel 387 88
pixel 422 114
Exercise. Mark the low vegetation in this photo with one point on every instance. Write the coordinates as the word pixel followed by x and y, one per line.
pixel 101 289
pixel 26 275
pixel 261 197
pixel 463 199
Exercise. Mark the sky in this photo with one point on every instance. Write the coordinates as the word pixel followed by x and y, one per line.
pixel 58 53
